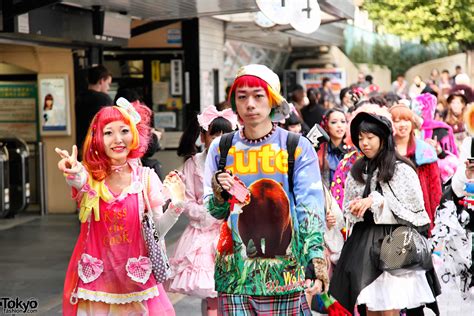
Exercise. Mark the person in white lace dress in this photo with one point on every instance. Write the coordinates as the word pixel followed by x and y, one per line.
pixel 382 192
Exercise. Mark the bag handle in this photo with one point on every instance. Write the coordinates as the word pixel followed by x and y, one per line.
pixel 146 185
pixel 472 146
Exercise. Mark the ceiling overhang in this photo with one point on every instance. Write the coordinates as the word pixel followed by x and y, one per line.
pixel 157 13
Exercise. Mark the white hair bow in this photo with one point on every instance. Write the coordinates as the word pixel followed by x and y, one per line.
pixel 128 107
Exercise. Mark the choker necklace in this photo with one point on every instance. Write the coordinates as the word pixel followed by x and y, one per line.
pixel 258 140
pixel 118 168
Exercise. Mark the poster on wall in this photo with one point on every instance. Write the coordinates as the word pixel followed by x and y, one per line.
pixel 53 94
pixel 312 77
pixel 18 111
pixel 176 77
pixel 165 119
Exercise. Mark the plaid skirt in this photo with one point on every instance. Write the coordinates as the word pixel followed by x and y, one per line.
pixel 242 305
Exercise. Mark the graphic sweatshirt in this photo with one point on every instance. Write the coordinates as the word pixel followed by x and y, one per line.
pixel 265 245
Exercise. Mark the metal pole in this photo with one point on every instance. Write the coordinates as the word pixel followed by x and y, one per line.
pixel 42 186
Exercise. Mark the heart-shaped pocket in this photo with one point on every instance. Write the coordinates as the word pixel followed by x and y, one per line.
pixel 139 269
pixel 89 268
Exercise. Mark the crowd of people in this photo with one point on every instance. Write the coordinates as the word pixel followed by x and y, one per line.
pixel 369 214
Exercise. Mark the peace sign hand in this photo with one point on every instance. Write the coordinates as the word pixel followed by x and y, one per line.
pixel 68 164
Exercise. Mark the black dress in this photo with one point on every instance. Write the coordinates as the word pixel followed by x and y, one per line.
pixel 357 267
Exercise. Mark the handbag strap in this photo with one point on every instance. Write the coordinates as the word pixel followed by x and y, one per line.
pixel 146 185
pixel 472 146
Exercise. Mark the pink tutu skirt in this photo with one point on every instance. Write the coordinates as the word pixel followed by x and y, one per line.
pixel 193 262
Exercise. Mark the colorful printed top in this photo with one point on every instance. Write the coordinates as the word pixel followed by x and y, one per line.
pixel 273 237
pixel 340 175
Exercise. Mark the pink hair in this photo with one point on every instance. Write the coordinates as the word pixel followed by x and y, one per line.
pixel 425 105
pixel 368 108
pixel 94 157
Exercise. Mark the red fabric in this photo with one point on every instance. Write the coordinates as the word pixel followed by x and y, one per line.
pixel 431 186
pixel 225 244
pixel 336 309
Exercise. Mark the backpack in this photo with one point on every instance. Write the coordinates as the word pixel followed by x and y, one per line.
pixel 291 143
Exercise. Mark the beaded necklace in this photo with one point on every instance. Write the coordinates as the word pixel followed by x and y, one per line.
pixel 258 140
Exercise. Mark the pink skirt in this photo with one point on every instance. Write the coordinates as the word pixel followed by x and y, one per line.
pixel 193 262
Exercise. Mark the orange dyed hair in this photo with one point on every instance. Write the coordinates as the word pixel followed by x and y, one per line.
pixel 402 112
pixel 94 158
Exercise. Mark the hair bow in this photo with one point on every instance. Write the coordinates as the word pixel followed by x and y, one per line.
pixel 123 103
pixel 210 114
pixel 141 263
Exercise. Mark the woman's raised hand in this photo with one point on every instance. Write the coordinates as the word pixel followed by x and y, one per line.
pixel 175 186
pixel 68 163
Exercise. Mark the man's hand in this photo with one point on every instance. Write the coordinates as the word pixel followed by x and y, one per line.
pixel 226 180
pixel 317 279
pixel 221 182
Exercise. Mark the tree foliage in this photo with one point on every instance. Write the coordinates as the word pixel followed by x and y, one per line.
pixel 443 21
pixel 398 60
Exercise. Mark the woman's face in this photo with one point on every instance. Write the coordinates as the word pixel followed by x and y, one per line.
pixel 456 106
pixel 402 127
pixel 49 103
pixel 369 143
pixel 296 128
pixel 117 140
pixel 207 138
pixel 337 125
pixel 346 100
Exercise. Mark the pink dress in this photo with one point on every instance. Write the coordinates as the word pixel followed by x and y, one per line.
pixel 193 261
pixel 110 269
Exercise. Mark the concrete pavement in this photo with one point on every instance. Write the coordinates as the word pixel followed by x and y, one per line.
pixel 35 251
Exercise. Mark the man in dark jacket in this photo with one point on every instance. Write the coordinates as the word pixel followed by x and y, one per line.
pixel 89 102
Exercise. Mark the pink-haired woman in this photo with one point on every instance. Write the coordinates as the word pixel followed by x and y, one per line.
pixel 110 272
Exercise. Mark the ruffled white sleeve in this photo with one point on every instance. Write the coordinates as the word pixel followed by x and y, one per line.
pixel 381 210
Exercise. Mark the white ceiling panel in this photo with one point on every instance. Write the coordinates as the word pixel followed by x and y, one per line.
pixel 169 9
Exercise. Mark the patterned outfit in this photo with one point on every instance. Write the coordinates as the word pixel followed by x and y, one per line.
pixel 356 278
pixel 340 175
pixel 329 157
pixel 265 245
pixel 193 262
pixel 109 271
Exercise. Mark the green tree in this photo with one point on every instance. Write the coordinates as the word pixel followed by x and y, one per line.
pixel 443 21
pixel 398 60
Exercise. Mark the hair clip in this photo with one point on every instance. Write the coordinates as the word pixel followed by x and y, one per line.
pixel 123 103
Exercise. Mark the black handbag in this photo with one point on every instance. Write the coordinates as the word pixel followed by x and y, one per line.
pixel 404 248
